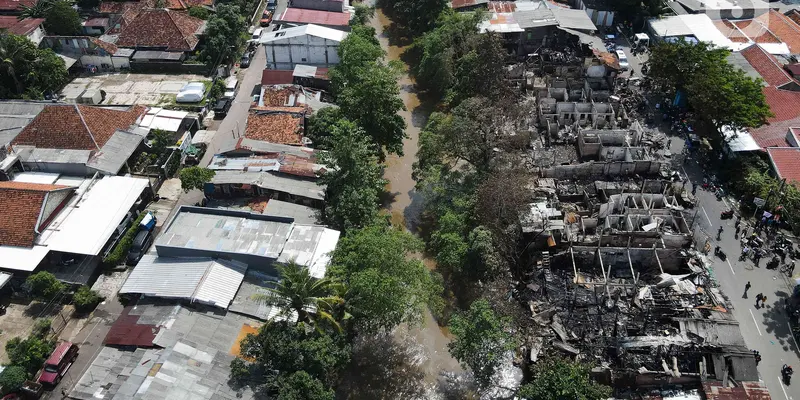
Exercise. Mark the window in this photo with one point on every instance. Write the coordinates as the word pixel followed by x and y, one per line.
pixel 303 59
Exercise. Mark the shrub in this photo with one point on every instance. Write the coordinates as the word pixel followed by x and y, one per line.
pixel 12 378
pixel 198 12
pixel 121 249
pixel 85 298
pixel 41 328
pixel 29 353
pixel 43 285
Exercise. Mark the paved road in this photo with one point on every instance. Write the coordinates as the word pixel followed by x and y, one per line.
pixel 234 123
pixel 765 329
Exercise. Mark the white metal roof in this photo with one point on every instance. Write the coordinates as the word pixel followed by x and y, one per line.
pixel 36 177
pixel 167 120
pixel 739 140
pixel 21 258
pixel 698 25
pixel 310 246
pixel 310 29
pixel 87 223
pixel 204 280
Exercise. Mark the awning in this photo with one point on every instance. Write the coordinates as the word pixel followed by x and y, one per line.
pixel 739 140
pixel 68 61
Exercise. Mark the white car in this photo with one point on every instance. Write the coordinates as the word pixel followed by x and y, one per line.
pixel 623 60
pixel 192 92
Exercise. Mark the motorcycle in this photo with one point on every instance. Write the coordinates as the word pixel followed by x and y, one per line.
pixel 719 253
pixel 786 372
pixel 726 214
pixel 719 193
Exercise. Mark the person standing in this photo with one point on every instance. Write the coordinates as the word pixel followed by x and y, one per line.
pixel 746 288
pixel 758 300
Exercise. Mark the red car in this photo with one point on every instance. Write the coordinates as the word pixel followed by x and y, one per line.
pixel 58 363
pixel 266 18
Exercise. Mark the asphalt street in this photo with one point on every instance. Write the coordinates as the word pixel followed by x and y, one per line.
pixel 765 329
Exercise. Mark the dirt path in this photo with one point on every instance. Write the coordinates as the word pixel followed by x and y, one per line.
pixel 406 207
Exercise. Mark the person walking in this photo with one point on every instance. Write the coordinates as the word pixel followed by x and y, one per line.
pixel 694 190
pixel 758 300
pixel 746 288
pixel 719 233
pixel 736 235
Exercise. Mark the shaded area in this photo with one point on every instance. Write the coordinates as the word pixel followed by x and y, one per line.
pixel 383 368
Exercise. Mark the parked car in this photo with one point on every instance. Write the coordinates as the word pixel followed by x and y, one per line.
pixel 623 60
pixel 272 5
pixel 245 61
pixel 266 19
pixel 257 34
pixel 222 107
pixel 141 243
pixel 192 92
pixel 58 363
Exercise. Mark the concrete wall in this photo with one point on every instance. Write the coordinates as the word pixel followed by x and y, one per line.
pixel 323 5
pixel 602 169
pixel 306 50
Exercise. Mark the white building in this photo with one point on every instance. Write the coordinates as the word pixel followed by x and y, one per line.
pixel 309 45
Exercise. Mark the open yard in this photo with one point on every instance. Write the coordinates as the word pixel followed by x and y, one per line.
pixel 127 88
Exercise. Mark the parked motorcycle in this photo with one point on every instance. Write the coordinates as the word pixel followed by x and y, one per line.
pixel 726 214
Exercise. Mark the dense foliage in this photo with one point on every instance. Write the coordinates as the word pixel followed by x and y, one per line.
pixel 415 16
pixel 12 378
pixel 27 71
pixel 363 78
pixel 560 379
pixel 223 34
pixel 43 285
pixel 120 250
pixel 62 19
pixel 199 12
pixel 724 93
pixel 30 353
pixel 353 180
pixel 85 299
pixel 195 178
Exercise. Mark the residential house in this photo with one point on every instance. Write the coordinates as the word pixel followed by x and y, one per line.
pixel 774 32
pixel 721 9
pixel 28 27
pixel 63 224
pixel 76 140
pixel 293 17
pixel 601 12
pixel 14 7
pixel 308 44
pixel 90 52
pixel 304 75
pixel 528 25
pixel 469 5
pixel 95 26
pixel 159 35
pixel 691 28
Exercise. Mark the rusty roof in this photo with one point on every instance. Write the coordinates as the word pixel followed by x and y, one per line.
pixel 22 205
pixel 747 391
pixel 160 28
pixel 14 5
pixel 275 127
pixel 502 6
pixel 76 127
pixel 126 331
pixel 19 27
pixel 276 77
pixel 282 96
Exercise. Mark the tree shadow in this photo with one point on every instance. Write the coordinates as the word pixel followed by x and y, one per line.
pixel 456 386
pixel 777 322
pixel 382 368
pixel 43 309
pixel 398 36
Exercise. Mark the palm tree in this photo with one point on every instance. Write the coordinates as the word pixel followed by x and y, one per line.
pixel 11 56
pixel 298 293
pixel 39 9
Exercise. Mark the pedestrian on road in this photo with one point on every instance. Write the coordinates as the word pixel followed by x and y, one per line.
pixel 745 250
pixel 694 190
pixel 746 288
pixel 758 299
pixel 719 233
pixel 738 222
pixel 736 235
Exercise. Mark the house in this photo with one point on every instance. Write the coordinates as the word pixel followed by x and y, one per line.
pixel 528 25
pixel 601 12
pixel 692 28
pixel 14 7
pixel 724 9
pixel 308 44
pixel 776 33
pixel 28 27
pixel 321 5
pixel 469 5
pixel 786 162
pixel 72 139
pixel 65 224
pixel 161 34
pixel 90 52
pixel 304 75
pixel 95 26
pixel 293 17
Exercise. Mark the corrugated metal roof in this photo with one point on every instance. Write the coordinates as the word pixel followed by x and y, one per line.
pixel 126 331
pixel 270 181
pixel 535 18
pixel 220 284
pixel 573 19
pixel 301 214
pixel 115 152
pixel 258 146
pixel 175 278
pixel 310 246
pixel 310 29
pixel 58 156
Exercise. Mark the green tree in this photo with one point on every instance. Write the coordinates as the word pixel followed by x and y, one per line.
pixel 298 293
pixel 360 78
pixel 37 10
pixel 281 349
pixel 418 16
pixel 44 285
pixel 62 19
pixel 86 299
pixel 321 124
pixel 302 386
pixel 199 12
pixel 362 14
pixel 12 378
pixel 223 34
pixel 26 71
pixel 352 178
pixel 195 178
pixel 386 286
pixel 88 4
pixel 30 353
pixel 481 340
pixel 560 379
pixel 41 328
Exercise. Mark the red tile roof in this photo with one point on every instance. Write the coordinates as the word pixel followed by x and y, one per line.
pixel 276 77
pixel 159 28
pixel 767 66
pixel 15 5
pixel 756 31
pixel 115 7
pixel 786 161
pixel 774 133
pixel 783 27
pixel 783 103
pixel 22 205
pixel 110 48
pixel 298 166
pixel 275 127
pixel 76 127
pixel 303 16
pixel 17 27
pixel 102 22
pixel 126 331
pixel 730 31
